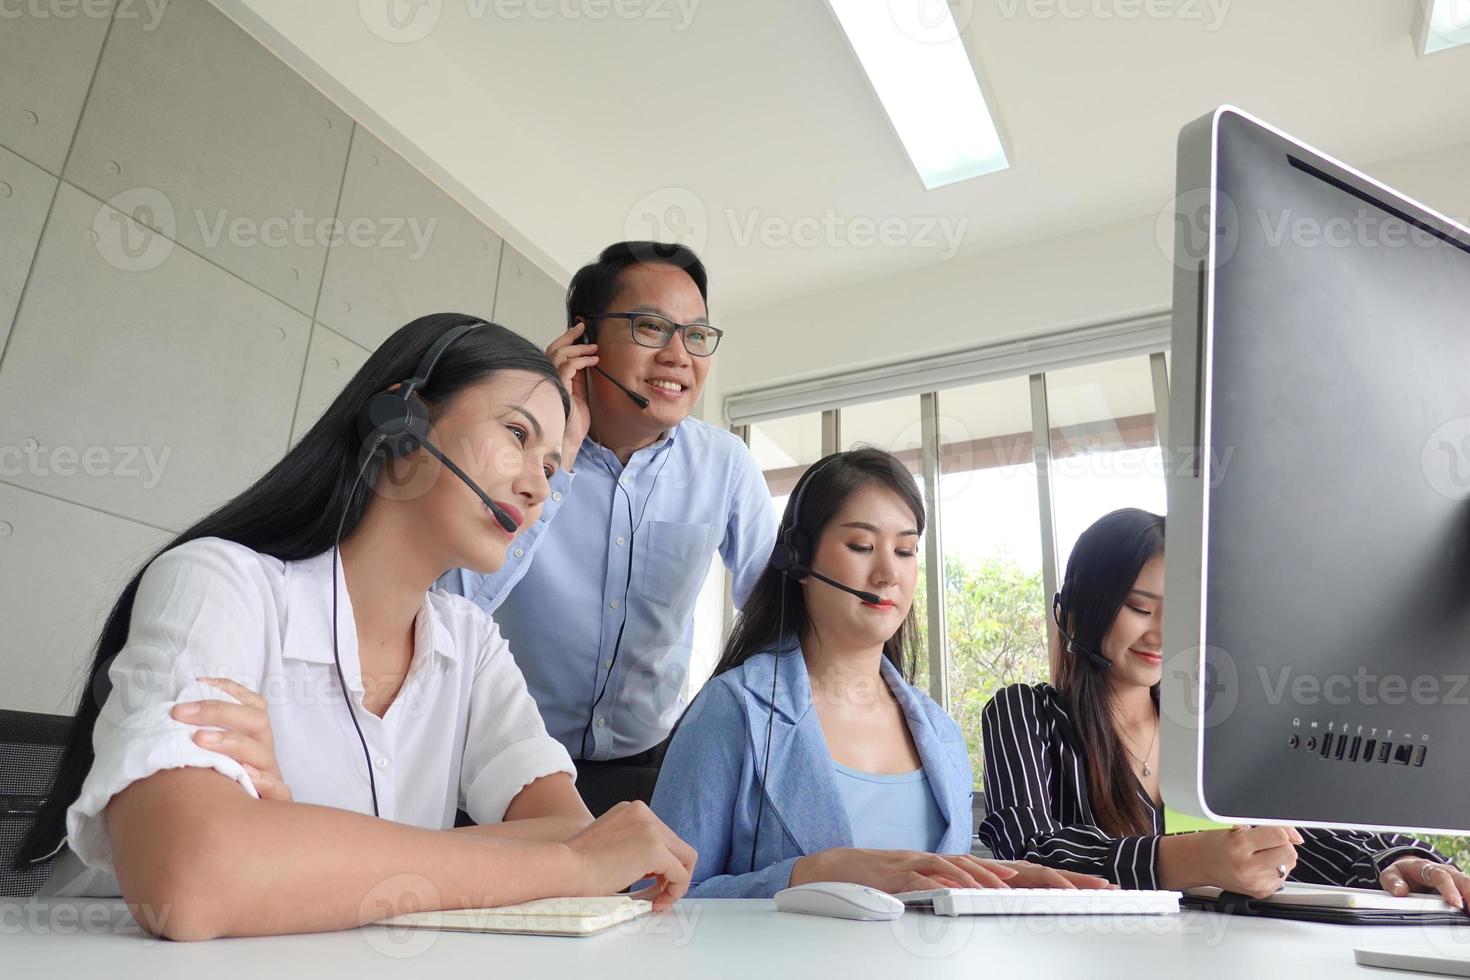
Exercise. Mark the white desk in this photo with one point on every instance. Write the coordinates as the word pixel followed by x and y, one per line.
pixel 737 938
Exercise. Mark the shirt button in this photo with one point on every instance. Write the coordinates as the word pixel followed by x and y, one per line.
pixel 614 603
pixel 520 552
pixel 381 762
pixel 602 723
pixel 620 540
pixel 556 495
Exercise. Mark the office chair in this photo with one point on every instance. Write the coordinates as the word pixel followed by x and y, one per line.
pixel 977 812
pixel 30 750
pixel 604 788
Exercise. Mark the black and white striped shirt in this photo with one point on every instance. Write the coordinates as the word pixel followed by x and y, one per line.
pixel 1037 807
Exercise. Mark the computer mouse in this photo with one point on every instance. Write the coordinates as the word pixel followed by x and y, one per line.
pixel 839 900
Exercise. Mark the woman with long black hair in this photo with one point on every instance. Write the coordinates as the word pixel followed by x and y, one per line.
pixel 1071 771
pixel 810 755
pixel 280 674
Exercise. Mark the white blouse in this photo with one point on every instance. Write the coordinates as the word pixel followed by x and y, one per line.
pixel 462 731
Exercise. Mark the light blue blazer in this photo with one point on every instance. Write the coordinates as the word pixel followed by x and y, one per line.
pixel 709 786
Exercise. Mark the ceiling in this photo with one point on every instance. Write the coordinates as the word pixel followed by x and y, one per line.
pixel 748 128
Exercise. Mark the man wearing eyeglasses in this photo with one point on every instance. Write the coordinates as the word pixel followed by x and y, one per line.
pixel 602 622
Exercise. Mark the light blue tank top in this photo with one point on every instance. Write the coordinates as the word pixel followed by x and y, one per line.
pixel 896 812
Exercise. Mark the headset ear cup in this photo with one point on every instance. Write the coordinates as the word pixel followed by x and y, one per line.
pixel 801 554
pixel 399 425
pixel 783 556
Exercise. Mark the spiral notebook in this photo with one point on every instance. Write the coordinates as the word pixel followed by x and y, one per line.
pixel 544 917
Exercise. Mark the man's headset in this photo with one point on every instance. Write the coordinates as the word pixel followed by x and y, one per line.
pixel 394 425
pixel 589 336
pixel 1070 644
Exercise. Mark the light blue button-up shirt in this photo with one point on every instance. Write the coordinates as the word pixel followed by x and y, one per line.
pixel 625 550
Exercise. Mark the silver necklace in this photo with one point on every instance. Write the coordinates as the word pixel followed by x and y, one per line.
pixel 1148 770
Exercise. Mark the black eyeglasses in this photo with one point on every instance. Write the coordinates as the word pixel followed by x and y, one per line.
pixel 652 330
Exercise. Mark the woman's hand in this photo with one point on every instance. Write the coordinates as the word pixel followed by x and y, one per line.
pixel 572 359
pixel 1250 861
pixel 627 844
pixel 1030 875
pixel 246 737
pixel 1415 874
pixel 900 871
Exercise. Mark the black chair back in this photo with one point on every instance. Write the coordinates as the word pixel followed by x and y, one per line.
pixel 30 750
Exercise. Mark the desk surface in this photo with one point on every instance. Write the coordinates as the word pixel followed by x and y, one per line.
pixel 735 938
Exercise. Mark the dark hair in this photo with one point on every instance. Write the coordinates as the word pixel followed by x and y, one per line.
pixel 829 482
pixel 594 285
pixel 1103 567
pixel 291 513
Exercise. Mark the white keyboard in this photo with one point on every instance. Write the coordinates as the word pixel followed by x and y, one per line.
pixel 1043 901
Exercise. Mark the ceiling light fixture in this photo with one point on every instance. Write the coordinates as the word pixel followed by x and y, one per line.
pixel 916 61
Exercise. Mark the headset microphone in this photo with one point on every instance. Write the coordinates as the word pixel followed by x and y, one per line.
pixel 871 598
pixel 637 398
pixel 501 516
pixel 1097 660
pixel 588 337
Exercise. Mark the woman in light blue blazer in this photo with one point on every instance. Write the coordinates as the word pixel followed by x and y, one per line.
pixel 810 755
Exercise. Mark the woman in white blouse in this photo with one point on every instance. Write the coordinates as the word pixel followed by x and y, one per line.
pixel 215 765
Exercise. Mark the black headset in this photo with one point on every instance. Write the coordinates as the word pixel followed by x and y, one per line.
pixel 792 555
pixel 589 336
pixel 792 558
pixel 395 424
pixel 1059 603
pixel 398 421
pixel 793 548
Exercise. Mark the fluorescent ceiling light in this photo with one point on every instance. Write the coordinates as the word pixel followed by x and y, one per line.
pixel 1442 24
pixel 926 84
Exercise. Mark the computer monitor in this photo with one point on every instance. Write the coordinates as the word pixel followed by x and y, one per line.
pixel 1317 578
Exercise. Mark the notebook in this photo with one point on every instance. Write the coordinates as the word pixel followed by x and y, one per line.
pixel 1339 897
pixel 544 917
pixel 1334 905
pixel 1043 901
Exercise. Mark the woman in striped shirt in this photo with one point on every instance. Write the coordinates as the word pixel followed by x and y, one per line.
pixel 1071 772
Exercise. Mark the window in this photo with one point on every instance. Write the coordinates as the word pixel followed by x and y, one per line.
pixel 894 424
pixel 784 448
pixel 1001 533
pixel 1104 445
pixel 990 528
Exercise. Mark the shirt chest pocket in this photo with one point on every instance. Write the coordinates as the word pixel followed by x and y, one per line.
pixel 676 561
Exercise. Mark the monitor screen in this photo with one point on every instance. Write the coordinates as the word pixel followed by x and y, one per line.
pixel 1317 631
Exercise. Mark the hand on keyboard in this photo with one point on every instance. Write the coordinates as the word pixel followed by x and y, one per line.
pixel 900 871
pixel 1030 875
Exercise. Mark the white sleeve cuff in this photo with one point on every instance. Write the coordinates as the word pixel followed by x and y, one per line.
pixel 513 769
